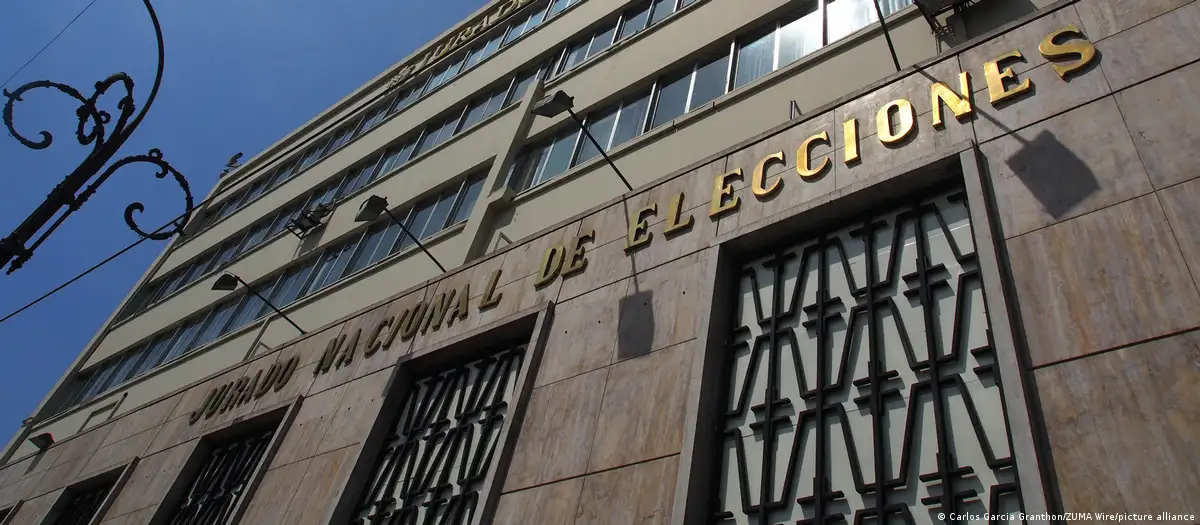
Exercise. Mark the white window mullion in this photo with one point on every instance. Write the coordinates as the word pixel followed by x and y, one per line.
pixel 732 60
pixel 687 106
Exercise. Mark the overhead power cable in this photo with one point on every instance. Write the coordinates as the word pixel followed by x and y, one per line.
pixel 43 49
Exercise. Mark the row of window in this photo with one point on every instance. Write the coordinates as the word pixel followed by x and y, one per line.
pixel 375 115
pixel 746 59
pixel 629 23
pixel 424 219
pixel 358 176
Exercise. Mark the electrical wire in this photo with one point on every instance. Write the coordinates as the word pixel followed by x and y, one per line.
pixel 43 49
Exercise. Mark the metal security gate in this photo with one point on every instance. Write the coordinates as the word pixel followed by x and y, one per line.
pixel 861 381
pixel 443 445
pixel 222 480
pixel 81 508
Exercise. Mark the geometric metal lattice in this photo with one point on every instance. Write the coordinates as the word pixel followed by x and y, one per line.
pixel 442 445
pixel 222 480
pixel 82 505
pixel 860 380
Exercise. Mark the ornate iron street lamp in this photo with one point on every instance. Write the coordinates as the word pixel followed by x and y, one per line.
pixel 92 130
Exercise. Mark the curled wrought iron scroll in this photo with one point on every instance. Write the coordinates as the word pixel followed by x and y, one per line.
pixel 96 128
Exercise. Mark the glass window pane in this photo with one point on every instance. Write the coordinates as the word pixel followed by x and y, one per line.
pixel 128 367
pixel 527 166
pixel 635 21
pixel 416 223
pixel 558 6
pixel 662 8
pixel 366 248
pixel 515 30
pixel 280 220
pixel 296 282
pixel 536 18
pixel 476 54
pixel 249 308
pixel 255 236
pixel 466 200
pixel 495 102
pixel 603 39
pixel 156 351
pixel 406 97
pixel 355 179
pixel 185 337
pixel 387 245
pixel 396 156
pixel 601 127
pixel 575 54
pixel 200 267
pixel 337 269
pixel 492 45
pixel 848 16
pixel 475 113
pixel 441 213
pixel 685 3
pixel 374 116
pixel 227 253
pixel 437 134
pixel 755 58
pixel 631 119
pixel 710 81
pixel 801 36
pixel 215 325
pixel 311 156
pixel 521 86
pixel 560 156
pixel 671 100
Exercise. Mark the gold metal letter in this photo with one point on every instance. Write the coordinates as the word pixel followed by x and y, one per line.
pixel 1085 50
pixel 960 105
pixel 722 189
pixel 804 154
pixel 330 355
pixel 578 261
pixel 347 355
pixel 458 309
pixel 373 342
pixel 490 297
pixel 437 311
pixel 639 226
pixel 673 224
pixel 551 264
pixel 265 385
pixel 883 121
pixel 285 374
pixel 199 412
pixel 850 136
pixel 996 78
pixel 756 181
pixel 409 325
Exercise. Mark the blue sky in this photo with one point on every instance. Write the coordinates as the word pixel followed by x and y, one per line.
pixel 239 75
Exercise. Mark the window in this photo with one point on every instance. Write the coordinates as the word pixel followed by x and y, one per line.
pixel 483 51
pixel 559 5
pixel 521 86
pixel 255 236
pixel 710 81
pixel 437 133
pixel 227 252
pixel 439 215
pixel 292 284
pixel 671 101
pixel 365 254
pixel 559 158
pixel 333 263
pixel 215 325
pixel 416 222
pixel 634 21
pixel 355 179
pixel 404 99
pixel 466 201
pixel 285 172
pixel 603 39
pixel 474 429
pixel 601 127
pixel 632 120
pixel 81 504
pixel 222 480
pixel 755 57
pixel 661 9
pixel 397 155
pixel 801 35
pixel 574 56
pixel 155 352
pixel 342 136
pixel 310 157
pixel 185 338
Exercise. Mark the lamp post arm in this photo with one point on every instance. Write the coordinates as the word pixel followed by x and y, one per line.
pixel 599 148
pixel 272 305
pixel 414 238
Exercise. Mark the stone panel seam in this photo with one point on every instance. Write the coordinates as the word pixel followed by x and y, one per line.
pixel 636 271
pixel 590 474
pixel 1097 210
pixel 1047 116
pixel 1148 20
pixel 1116 348
pixel 627 359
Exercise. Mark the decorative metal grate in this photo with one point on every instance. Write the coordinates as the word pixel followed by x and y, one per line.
pixel 222 480
pixel 81 506
pixel 861 382
pixel 443 445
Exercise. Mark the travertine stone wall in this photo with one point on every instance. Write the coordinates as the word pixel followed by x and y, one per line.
pixel 1091 183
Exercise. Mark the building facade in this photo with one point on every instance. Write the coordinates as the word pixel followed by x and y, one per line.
pixel 955 286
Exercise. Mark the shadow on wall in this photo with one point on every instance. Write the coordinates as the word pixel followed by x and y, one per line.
pixel 986 16
pixel 1053 174
pixel 635 326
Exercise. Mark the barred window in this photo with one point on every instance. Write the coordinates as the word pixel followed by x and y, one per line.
pixel 442 444
pixel 81 505
pixel 861 384
pixel 222 479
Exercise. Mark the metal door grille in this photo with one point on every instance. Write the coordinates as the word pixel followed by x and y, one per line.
pixel 222 480
pixel 867 399
pixel 81 507
pixel 442 445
